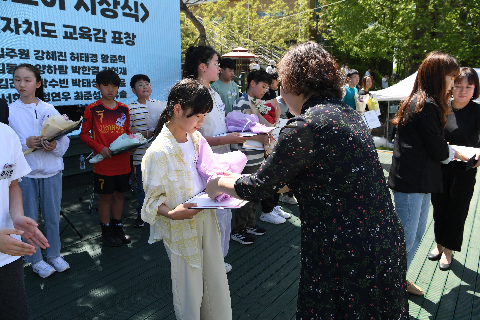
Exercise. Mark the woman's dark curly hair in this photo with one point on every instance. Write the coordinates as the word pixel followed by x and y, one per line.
pixel 310 70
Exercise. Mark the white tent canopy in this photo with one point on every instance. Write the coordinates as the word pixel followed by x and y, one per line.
pixel 400 90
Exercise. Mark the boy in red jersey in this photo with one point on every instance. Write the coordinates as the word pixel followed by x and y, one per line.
pixel 107 119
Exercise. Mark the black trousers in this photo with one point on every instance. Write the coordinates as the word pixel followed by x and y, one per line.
pixel 13 299
pixel 269 203
pixel 450 208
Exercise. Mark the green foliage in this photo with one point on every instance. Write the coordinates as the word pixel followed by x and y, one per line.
pixel 232 24
pixel 405 30
pixel 189 33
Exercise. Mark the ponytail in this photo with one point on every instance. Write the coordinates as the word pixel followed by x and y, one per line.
pixel 191 95
pixel 194 56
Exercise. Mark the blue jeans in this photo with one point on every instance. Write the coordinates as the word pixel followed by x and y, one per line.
pixel 412 209
pixel 140 191
pixel 47 192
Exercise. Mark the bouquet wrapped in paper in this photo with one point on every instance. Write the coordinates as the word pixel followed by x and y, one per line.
pixel 155 109
pixel 361 102
pixel 123 143
pixel 372 104
pixel 241 122
pixel 55 127
pixel 211 165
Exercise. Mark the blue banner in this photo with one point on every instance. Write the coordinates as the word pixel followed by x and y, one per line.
pixel 70 41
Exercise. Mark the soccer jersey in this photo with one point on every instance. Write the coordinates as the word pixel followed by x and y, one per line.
pixel 106 125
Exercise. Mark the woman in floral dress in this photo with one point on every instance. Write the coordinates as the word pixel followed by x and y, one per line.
pixel 353 260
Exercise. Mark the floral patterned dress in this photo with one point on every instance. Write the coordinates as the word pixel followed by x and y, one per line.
pixel 353 258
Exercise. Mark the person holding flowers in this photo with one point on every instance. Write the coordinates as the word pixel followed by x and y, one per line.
pixel 42 187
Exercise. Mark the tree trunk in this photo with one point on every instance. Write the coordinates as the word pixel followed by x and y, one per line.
pixel 419 33
pixel 202 39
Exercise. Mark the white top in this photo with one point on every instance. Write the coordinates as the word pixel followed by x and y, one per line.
pixel 384 83
pixel 190 158
pixel 13 166
pixel 271 69
pixel 27 120
pixel 214 123
pixel 256 67
pixel 140 116
pixel 367 73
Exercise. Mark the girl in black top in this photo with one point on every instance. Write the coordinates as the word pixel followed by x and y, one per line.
pixel 450 208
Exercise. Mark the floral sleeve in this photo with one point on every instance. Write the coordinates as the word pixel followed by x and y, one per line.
pixel 292 154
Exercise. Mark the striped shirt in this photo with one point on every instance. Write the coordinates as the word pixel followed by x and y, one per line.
pixel 139 124
pixel 254 157
pixel 168 180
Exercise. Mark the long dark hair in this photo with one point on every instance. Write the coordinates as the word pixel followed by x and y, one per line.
pixel 194 56
pixel 39 91
pixel 430 83
pixel 192 95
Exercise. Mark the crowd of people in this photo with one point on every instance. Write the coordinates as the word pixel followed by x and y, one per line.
pixel 324 160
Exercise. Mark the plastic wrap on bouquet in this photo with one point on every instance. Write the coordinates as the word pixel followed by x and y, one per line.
pixel 361 102
pixel 155 109
pixel 211 165
pixel 55 127
pixel 372 104
pixel 123 143
pixel 241 122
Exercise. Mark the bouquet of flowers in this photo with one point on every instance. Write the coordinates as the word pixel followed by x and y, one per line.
pixel 55 127
pixel 241 122
pixel 267 110
pixel 211 165
pixel 361 101
pixel 123 143
pixel 372 104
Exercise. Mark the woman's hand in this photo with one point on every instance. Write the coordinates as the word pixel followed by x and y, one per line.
pixel 49 146
pixel 477 157
pixel 262 137
pixel 12 246
pixel 34 142
pixel 224 184
pixel 461 156
pixel 30 231
pixel 183 211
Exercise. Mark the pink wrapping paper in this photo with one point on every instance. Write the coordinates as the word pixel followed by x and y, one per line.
pixel 241 122
pixel 211 165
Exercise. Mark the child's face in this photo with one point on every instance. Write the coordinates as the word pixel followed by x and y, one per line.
pixel 108 92
pixel 193 123
pixel 274 85
pixel 142 89
pixel 25 82
pixel 353 80
pixel 227 74
pixel 211 70
pixel 257 90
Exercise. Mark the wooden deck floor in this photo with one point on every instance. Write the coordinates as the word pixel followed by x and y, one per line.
pixel 133 281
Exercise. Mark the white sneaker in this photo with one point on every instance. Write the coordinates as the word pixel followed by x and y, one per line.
pixel 287 199
pixel 271 217
pixel 228 267
pixel 59 264
pixel 279 211
pixel 43 269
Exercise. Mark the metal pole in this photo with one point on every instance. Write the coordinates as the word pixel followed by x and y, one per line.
pixel 388 118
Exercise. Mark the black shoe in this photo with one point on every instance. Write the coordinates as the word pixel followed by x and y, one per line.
pixel 118 229
pixel 242 237
pixel 256 230
pixel 138 223
pixel 434 257
pixel 109 236
pixel 445 266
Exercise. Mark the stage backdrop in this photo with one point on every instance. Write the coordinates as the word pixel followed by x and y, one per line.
pixel 70 41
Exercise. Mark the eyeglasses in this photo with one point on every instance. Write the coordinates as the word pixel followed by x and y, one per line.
pixel 143 85
pixel 216 64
